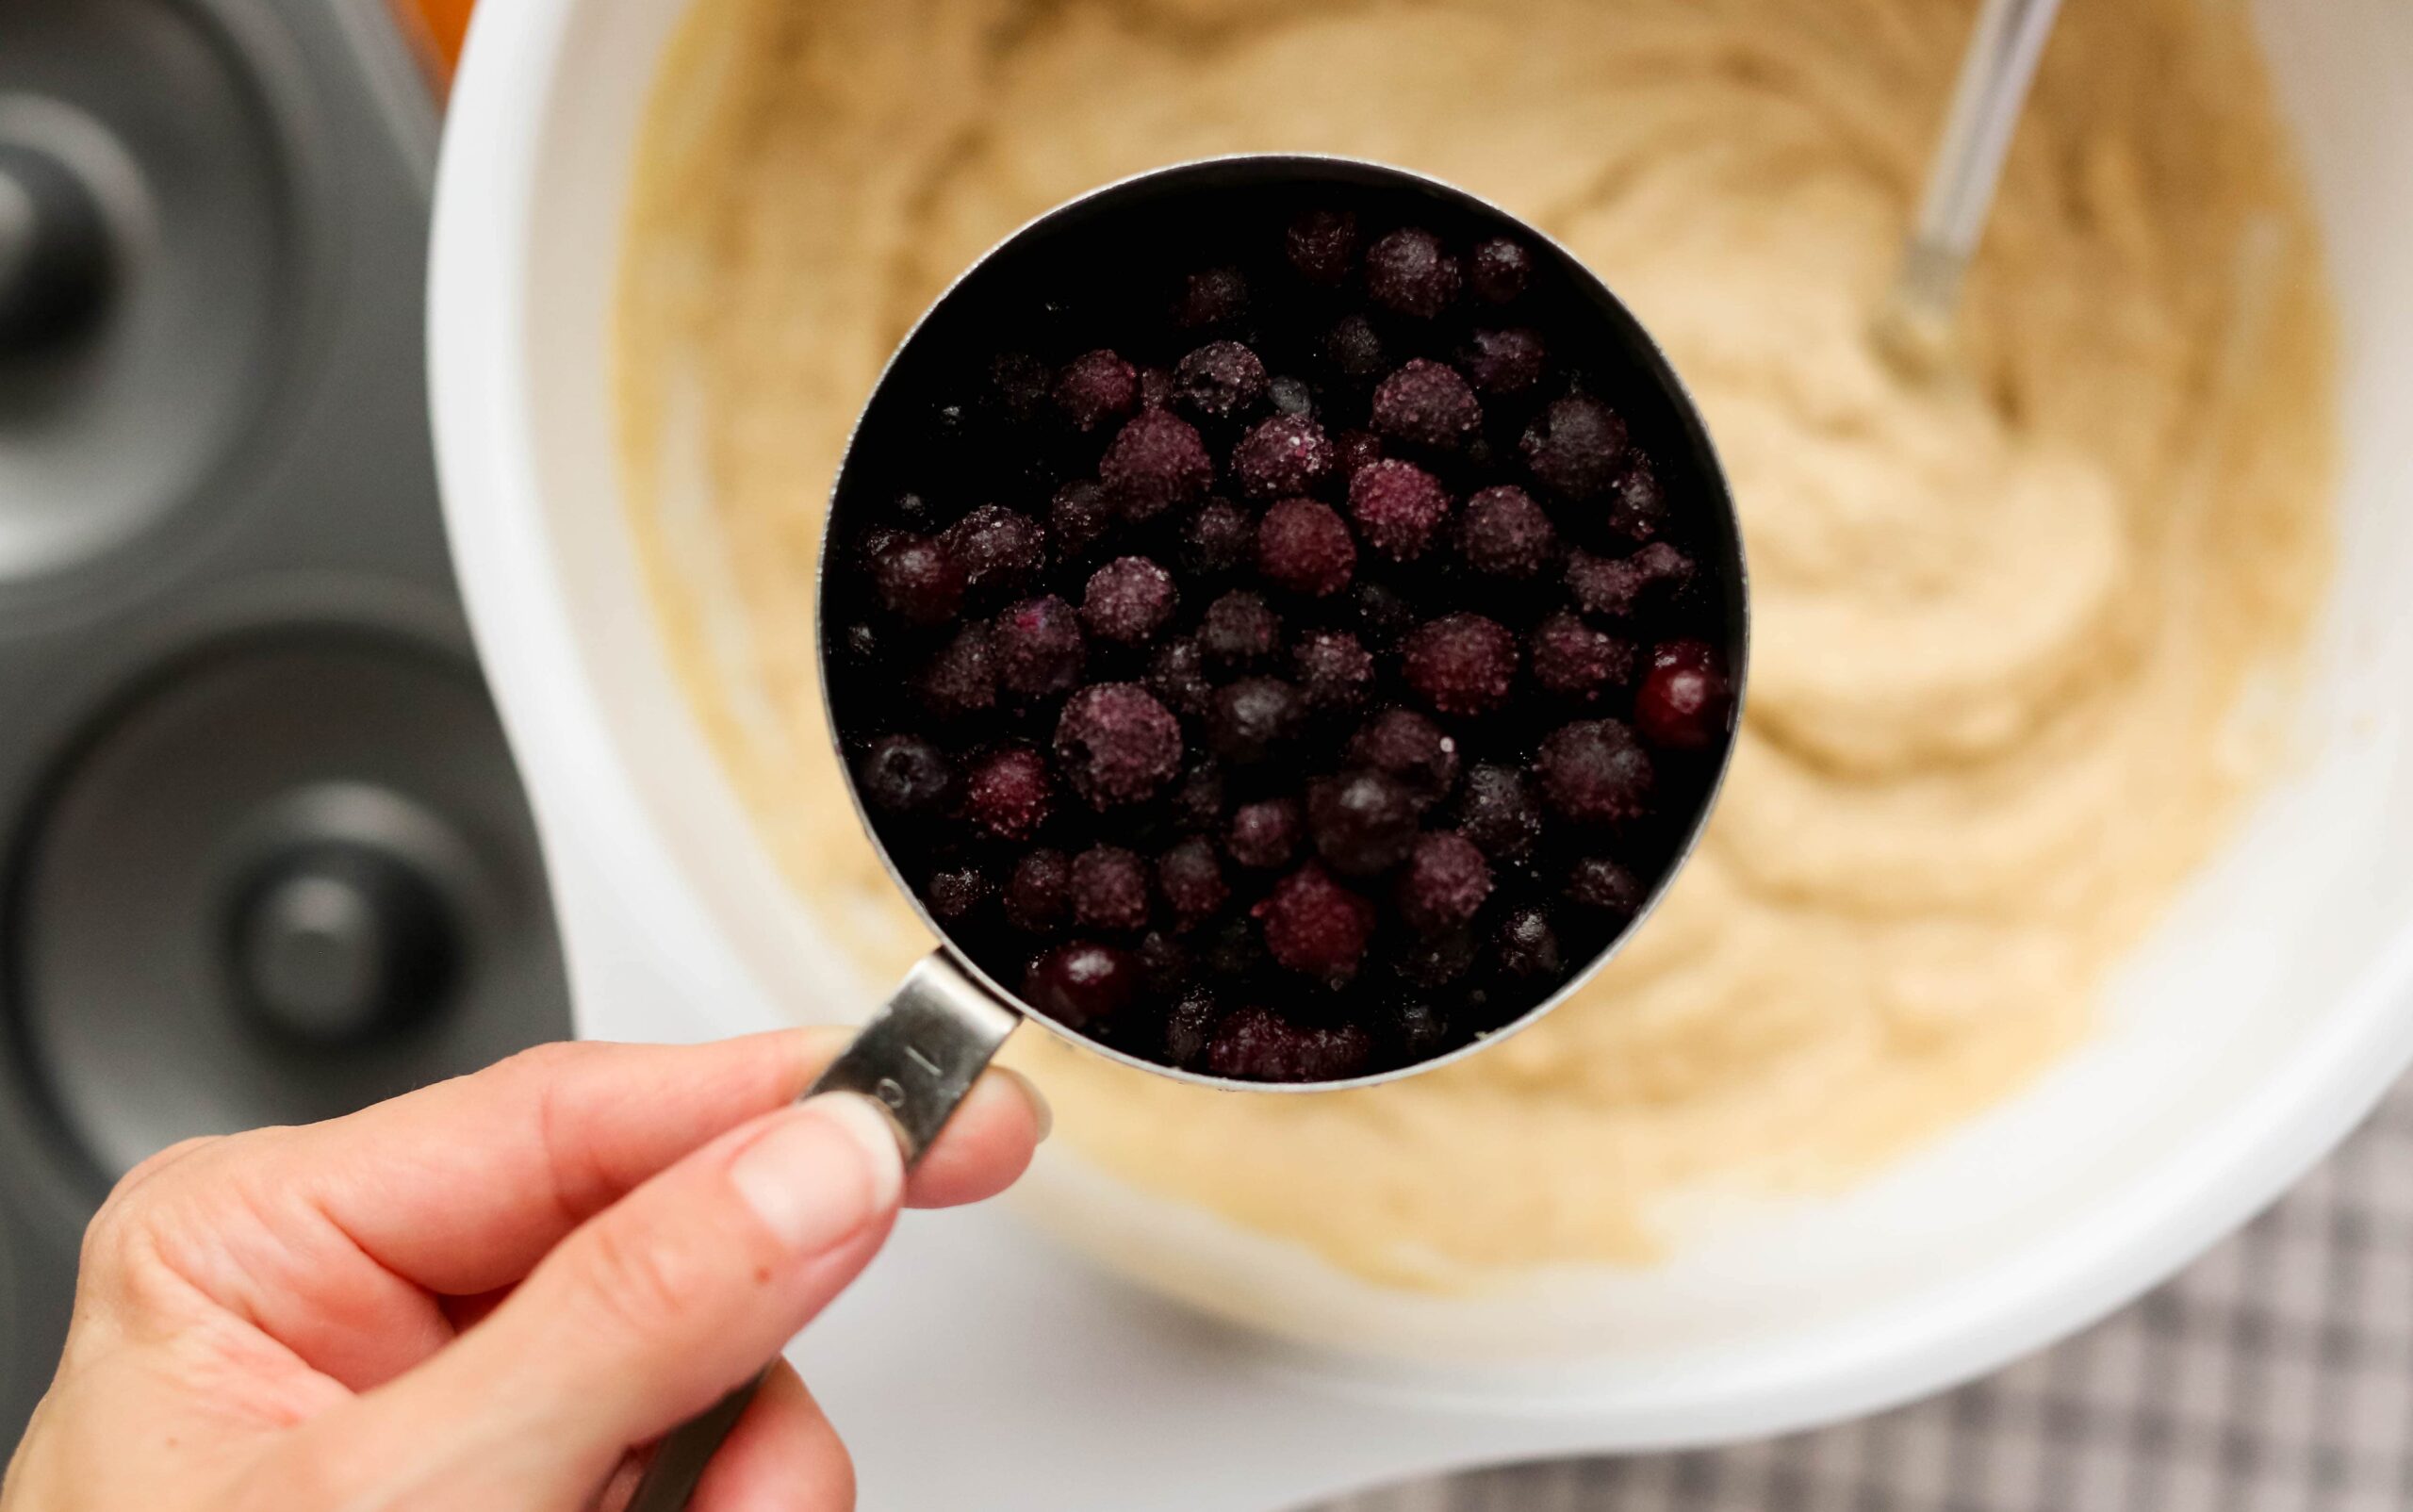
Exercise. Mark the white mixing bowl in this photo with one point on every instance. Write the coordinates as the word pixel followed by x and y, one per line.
pixel 2237 1045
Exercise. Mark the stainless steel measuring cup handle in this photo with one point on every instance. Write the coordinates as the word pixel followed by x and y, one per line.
pixel 921 1052
pixel 917 1058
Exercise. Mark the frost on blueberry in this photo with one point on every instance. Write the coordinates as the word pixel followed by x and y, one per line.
pixel 1410 273
pixel 1117 744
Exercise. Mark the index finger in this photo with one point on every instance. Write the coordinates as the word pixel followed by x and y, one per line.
pixel 462 1186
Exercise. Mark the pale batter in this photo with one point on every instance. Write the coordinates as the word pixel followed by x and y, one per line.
pixel 2005 626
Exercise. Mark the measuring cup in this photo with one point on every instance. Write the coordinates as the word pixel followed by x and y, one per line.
pixel 922 1050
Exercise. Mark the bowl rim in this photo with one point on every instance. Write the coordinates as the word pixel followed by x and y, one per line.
pixel 2021 1298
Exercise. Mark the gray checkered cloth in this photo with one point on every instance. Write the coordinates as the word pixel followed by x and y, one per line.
pixel 2274 1375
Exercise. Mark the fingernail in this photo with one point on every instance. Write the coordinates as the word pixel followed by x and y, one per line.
pixel 828 1166
pixel 1040 1111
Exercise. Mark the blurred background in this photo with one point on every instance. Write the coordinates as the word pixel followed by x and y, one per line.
pixel 266 858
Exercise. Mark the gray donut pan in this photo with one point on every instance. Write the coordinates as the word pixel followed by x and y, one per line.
pixel 225 604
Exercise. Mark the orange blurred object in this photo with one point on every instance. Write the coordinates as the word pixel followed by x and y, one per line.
pixel 438 26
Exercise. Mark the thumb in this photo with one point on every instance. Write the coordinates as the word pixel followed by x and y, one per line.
pixel 651 1310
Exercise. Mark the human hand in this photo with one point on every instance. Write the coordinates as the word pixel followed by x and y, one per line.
pixel 485 1294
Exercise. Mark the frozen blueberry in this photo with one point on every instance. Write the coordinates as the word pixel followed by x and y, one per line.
pixel 917 580
pixel 1577 662
pixel 1214 299
pixel 1497 811
pixel 1110 889
pixel 953 892
pixel 1671 572
pixel 1637 505
pixel 1304 546
pixel 1576 448
pixel 1128 600
pixel 1239 630
pixel 1190 1027
pixel 1293 397
pixel 1498 269
pixel 905 774
pixel 1258 1044
pixel 1219 540
pixel 1594 772
pixel 1264 834
pixel 1038 892
pixel 1362 821
pixel 1503 534
pixel 1220 381
pixel 1426 404
pixel 961 679
pixel 1461 663
pixel 1078 517
pixel 1191 878
pixel 1251 718
pixel 1409 273
pixel 1444 883
pixel 1009 793
pixel 1402 744
pixel 1354 349
pixel 1505 362
pixel 1157 462
pixel 1177 676
pixel 998 549
pixel 1322 245
pixel 1038 649
pixel 1397 507
pixel 910 510
pixel 1683 703
pixel 1332 670
pixel 1118 745
pixel 1526 947
pixel 1612 587
pixel 1095 389
pixel 1281 455
pixel 1607 586
pixel 1316 927
pixel 1415 1029
pixel 1599 883
pixel 1081 983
